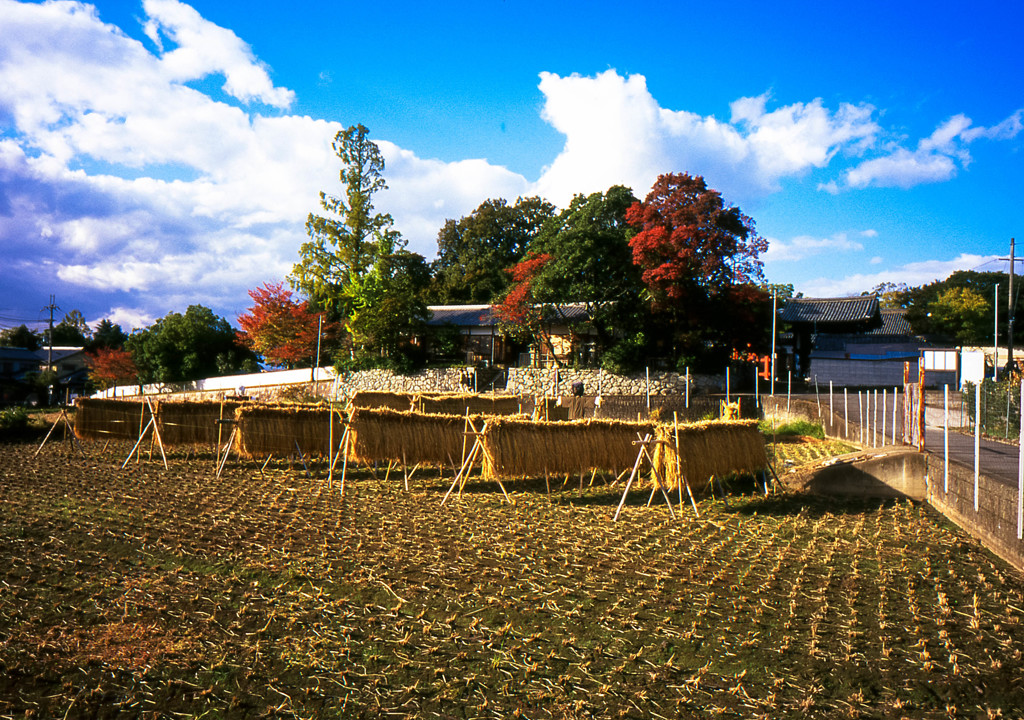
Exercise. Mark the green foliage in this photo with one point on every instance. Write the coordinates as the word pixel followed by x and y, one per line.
pixel 355 265
pixel 13 419
pixel 389 310
pixel 108 335
pixel 474 252
pixel 963 314
pixel 803 428
pixel 185 347
pixel 346 242
pixel 21 337
pixel 626 356
pixel 591 263
pixel 72 331
pixel 958 316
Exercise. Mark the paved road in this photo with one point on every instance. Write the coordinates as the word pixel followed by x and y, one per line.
pixel 998 460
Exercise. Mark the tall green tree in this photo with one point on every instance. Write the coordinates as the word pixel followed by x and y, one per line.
pixel 581 256
pixel 21 337
pixel 475 252
pixel 391 309
pixel 351 236
pixel 107 335
pixel 192 346
pixel 920 303
pixel 964 315
pixel 72 331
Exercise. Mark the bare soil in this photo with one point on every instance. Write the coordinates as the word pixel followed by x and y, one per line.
pixel 152 593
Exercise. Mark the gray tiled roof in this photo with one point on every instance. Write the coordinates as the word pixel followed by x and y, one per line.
pixel 483 315
pixel 825 311
pixel 462 315
pixel 894 322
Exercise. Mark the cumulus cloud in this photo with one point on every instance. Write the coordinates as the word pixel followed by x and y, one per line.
pixel 122 182
pixel 617 133
pixel 937 158
pixel 118 179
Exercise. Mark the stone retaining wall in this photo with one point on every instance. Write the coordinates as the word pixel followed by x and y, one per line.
pixel 558 381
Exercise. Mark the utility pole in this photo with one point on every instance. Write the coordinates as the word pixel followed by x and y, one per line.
pixel 1011 308
pixel 49 353
pixel 995 338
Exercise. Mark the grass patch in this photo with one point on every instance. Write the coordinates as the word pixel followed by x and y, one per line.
pixel 802 428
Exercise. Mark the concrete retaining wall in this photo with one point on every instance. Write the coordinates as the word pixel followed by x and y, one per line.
pixel 995 520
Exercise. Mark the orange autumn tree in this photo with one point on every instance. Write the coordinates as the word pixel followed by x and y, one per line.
pixel 282 331
pixel 110 367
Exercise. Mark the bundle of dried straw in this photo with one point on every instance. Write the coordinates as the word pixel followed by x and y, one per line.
pixel 105 418
pixel 524 448
pixel 190 422
pixel 281 429
pixel 409 437
pixel 381 399
pixel 463 403
pixel 717 448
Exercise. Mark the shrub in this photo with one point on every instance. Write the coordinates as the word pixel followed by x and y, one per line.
pixel 13 419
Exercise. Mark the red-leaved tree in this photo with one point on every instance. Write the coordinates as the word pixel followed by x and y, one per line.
pixel 689 242
pixel 282 331
pixel 694 252
pixel 109 367
pixel 518 314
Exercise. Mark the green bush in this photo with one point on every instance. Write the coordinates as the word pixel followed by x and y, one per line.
pixel 13 419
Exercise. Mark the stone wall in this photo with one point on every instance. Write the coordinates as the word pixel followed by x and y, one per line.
pixel 431 380
pixel 558 381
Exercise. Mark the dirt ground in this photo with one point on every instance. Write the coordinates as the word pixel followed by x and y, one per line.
pixel 158 593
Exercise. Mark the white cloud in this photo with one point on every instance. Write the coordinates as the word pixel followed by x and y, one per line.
pixel 206 49
pixel 805 246
pixel 129 318
pixel 912 274
pixel 616 133
pixel 937 157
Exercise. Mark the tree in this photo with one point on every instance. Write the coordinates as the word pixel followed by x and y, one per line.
pixel 689 243
pixel 391 311
pixel 473 253
pixel 519 315
pixel 964 315
pixel 890 294
pixel 192 346
pixel 590 263
pixel 919 303
pixel 282 331
pixel 110 367
pixel 692 251
pixel 72 331
pixel 20 337
pixel 107 335
pixel 350 237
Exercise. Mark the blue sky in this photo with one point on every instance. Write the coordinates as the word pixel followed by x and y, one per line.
pixel 158 154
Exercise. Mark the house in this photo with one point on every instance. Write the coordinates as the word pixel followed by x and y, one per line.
pixel 18 366
pixel 808 317
pixel 875 358
pixel 484 344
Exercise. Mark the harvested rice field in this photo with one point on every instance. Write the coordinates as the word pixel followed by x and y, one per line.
pixel 158 594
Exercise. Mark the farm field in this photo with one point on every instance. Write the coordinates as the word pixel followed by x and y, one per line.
pixel 155 593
